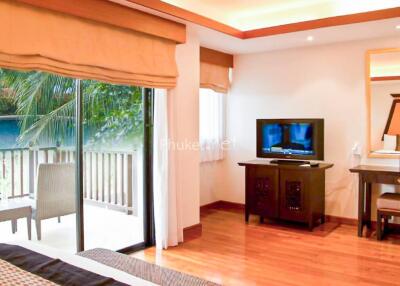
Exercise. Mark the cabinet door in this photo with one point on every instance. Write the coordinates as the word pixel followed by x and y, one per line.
pixel 262 191
pixel 294 203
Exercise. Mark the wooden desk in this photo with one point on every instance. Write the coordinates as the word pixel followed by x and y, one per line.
pixel 369 175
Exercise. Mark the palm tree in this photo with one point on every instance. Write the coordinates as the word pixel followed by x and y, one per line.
pixel 46 105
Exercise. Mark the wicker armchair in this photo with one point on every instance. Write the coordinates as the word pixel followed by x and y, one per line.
pixel 54 194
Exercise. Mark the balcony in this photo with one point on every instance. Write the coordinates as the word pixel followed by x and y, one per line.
pixel 111 197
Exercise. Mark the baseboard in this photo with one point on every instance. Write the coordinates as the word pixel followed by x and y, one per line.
pixel 212 205
pixel 238 207
pixel 223 205
pixel 192 232
pixel 341 220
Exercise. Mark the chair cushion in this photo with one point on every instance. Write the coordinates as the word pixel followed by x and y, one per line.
pixel 389 201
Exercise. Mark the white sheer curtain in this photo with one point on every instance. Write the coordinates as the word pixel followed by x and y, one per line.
pixel 169 230
pixel 212 124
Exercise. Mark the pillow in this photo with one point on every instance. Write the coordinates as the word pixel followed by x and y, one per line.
pixel 390 142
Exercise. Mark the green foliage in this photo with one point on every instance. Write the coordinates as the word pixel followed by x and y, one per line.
pixel 46 103
pixel 7 106
pixel 113 113
pixel 7 103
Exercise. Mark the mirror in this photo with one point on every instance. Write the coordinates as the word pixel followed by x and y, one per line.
pixel 383 99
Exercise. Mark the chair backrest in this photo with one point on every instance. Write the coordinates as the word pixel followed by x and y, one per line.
pixel 55 190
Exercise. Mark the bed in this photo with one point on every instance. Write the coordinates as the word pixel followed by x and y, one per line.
pixel 32 264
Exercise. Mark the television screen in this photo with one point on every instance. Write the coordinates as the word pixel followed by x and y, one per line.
pixel 290 138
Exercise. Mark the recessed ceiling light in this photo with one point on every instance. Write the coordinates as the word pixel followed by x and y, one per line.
pixel 398 27
pixel 310 38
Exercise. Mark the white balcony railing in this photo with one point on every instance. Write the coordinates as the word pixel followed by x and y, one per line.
pixel 110 178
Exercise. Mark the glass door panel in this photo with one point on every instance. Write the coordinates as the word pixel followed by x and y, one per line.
pixel 37 153
pixel 112 165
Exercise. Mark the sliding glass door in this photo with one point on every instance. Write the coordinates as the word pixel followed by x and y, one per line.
pixel 113 187
pixel 81 151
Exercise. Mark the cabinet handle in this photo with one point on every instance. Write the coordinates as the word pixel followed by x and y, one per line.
pixel 398 180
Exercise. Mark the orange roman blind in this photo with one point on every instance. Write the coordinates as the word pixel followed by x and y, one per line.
pixel 39 39
pixel 214 70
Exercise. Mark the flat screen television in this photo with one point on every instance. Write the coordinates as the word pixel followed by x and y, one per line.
pixel 299 139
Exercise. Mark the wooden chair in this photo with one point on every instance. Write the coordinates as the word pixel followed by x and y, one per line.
pixel 388 205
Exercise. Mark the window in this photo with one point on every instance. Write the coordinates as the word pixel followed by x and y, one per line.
pixel 212 125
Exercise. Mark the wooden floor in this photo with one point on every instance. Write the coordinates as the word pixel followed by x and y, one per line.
pixel 233 253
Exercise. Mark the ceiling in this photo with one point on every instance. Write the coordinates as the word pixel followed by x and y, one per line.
pixel 361 31
pixel 213 39
pixel 254 14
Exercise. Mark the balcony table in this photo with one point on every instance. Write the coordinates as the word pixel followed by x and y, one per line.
pixel 15 208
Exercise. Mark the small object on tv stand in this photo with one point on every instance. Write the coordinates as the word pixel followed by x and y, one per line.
pixel 290 162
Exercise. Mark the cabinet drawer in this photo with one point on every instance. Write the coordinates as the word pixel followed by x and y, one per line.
pixel 383 179
pixel 388 179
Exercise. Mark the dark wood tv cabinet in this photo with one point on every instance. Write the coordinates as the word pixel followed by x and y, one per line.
pixel 286 192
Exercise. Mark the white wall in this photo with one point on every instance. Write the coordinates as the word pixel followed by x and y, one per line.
pixel 184 124
pixel 210 178
pixel 320 81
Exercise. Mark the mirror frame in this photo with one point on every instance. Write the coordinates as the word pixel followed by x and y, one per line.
pixel 368 55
